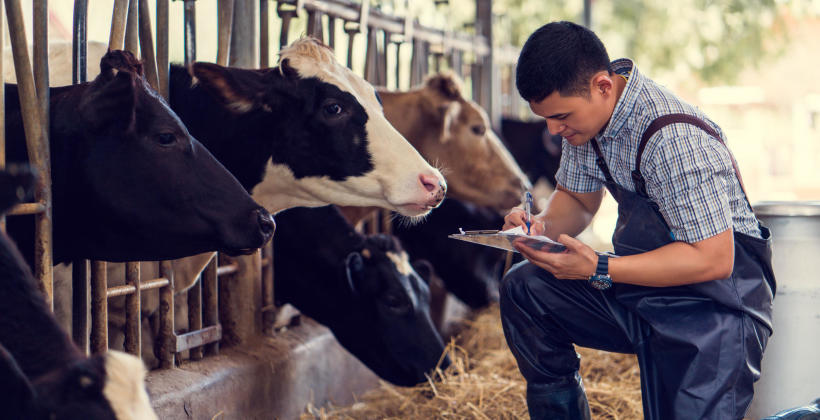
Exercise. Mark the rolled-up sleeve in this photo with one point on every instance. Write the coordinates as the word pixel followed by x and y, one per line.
pixel 688 175
pixel 573 175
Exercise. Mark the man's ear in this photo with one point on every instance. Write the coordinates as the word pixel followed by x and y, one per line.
pixel 603 84
pixel 239 90
pixel 110 101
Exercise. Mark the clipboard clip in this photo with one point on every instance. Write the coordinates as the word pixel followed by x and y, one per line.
pixel 478 232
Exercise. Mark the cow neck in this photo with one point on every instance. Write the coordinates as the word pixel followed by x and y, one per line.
pixel 238 141
pixel 28 330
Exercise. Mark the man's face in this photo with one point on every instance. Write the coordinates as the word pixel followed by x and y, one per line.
pixel 577 118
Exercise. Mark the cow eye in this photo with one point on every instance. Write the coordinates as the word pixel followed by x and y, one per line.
pixel 396 303
pixel 166 139
pixel 333 109
pixel 478 130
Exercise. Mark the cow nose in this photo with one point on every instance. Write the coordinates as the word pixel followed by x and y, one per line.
pixel 430 182
pixel 266 223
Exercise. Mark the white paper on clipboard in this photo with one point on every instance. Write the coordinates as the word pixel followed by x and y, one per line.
pixel 504 239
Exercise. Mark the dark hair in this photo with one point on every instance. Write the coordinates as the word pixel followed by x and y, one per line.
pixel 559 56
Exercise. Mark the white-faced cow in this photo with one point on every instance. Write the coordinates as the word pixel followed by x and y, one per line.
pixel 455 133
pixel 43 375
pixel 362 287
pixel 307 133
pixel 129 181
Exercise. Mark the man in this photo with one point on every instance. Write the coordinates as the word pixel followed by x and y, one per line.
pixel 692 288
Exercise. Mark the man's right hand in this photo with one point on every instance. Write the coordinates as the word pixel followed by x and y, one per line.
pixel 517 217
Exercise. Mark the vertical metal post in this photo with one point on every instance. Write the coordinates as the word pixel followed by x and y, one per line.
pixel 418 62
pixel 588 13
pixel 314 25
pixel 2 113
pixel 78 41
pixel 242 51
pixel 133 315
pixel 264 34
pixel 147 45
pixel 41 59
pixel 116 38
pixel 225 25
pixel 190 32
pixel 210 301
pixel 285 13
pixel 195 315
pixel 489 89
pixel 99 307
pixel 132 38
pixel 162 47
pixel 331 32
pixel 81 304
pixel 37 145
pixel 167 338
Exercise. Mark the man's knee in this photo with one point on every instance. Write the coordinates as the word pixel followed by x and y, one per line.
pixel 520 282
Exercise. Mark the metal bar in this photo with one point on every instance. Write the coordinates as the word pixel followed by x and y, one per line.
pixel 78 41
pixel 331 32
pixel 286 15
pixel 210 302
pixel 190 32
pixel 267 287
pixel 351 32
pixel 588 13
pixel 132 38
pixel 264 34
pixel 243 50
pixel 133 318
pixel 128 289
pixel 41 59
pixel 26 208
pixel 418 62
pixel 349 11
pixel 99 307
pixel 167 340
pixel 149 64
pixel 194 317
pixel 2 113
pixel 116 39
pixel 81 304
pixel 371 58
pixel 37 145
pixel 162 47
pixel 225 24
pixel 226 270
pixel 194 339
pixel 381 58
pixel 314 25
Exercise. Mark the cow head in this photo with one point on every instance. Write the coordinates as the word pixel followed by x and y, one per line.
pixel 137 173
pixel 104 387
pixel 326 135
pixel 455 132
pixel 401 343
pixel 16 182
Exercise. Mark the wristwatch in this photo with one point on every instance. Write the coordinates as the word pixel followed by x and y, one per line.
pixel 601 280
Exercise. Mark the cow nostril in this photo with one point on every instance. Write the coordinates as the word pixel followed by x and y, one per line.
pixel 430 182
pixel 266 222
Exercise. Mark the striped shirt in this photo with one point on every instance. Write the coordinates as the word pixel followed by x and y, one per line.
pixel 688 173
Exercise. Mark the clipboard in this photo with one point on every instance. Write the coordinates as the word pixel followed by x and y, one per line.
pixel 504 239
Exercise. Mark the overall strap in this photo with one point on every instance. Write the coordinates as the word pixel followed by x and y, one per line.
pixel 601 162
pixel 663 121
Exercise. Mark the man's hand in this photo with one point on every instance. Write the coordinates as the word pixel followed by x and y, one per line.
pixel 578 262
pixel 517 217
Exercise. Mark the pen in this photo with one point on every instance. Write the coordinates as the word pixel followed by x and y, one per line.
pixel 528 209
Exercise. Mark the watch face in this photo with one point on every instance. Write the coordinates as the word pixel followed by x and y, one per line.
pixel 600 282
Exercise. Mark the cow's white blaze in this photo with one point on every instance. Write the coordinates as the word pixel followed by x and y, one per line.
pixel 394 181
pixel 125 387
pixel 401 261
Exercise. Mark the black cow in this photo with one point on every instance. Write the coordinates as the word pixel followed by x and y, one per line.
pixel 361 287
pixel 43 375
pixel 537 151
pixel 129 182
pixel 469 271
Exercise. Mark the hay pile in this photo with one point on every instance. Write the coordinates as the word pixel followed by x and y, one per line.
pixel 484 383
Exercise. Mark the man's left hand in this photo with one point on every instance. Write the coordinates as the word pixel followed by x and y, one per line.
pixel 578 262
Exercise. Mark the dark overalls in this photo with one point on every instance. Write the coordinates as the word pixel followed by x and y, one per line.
pixel 699 346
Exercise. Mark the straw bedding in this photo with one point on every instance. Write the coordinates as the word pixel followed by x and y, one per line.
pixel 483 382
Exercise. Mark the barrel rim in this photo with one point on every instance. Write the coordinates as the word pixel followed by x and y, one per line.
pixel 787 208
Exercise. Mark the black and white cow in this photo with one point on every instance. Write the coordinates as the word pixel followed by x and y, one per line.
pixel 361 287
pixel 307 133
pixel 471 272
pixel 43 375
pixel 129 181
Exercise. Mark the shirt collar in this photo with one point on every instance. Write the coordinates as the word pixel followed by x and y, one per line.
pixel 629 96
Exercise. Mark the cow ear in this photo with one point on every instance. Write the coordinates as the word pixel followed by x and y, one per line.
pixel 110 101
pixel 239 90
pixel 16 392
pixel 287 70
pixel 354 267
pixel 446 85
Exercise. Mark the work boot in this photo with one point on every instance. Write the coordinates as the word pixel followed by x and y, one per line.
pixel 809 412
pixel 561 400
